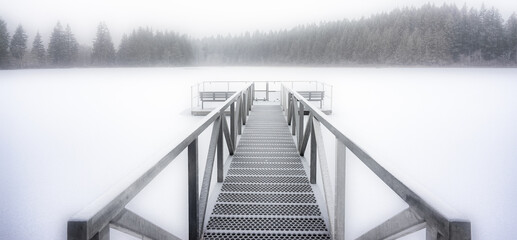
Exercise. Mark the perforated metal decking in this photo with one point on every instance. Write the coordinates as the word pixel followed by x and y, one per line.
pixel 266 193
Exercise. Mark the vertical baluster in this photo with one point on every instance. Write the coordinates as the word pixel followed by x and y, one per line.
pixel 220 163
pixel 232 124
pixel 300 126
pixel 193 190
pixel 289 109
pixel 314 152
pixel 239 116
pixel 243 108
pixel 104 234
pixel 293 123
pixel 339 216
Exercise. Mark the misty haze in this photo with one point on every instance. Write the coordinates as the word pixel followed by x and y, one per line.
pixel 404 111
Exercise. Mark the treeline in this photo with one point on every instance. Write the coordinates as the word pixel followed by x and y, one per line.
pixel 428 35
pixel 143 47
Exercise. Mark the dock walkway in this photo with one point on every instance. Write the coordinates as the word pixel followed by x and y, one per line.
pixel 266 193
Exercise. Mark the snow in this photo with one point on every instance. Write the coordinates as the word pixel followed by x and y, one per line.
pixel 67 136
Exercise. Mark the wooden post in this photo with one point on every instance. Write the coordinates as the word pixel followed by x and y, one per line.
pixel 239 116
pixel 267 91
pixel 243 108
pixel 289 109
pixel 300 127
pixel 339 216
pixel 104 234
pixel 193 190
pixel 232 124
pixel 220 163
pixel 314 152
pixel 295 111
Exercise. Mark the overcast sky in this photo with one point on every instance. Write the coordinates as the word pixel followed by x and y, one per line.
pixel 198 18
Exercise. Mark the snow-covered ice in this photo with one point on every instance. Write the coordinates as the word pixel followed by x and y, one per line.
pixel 66 136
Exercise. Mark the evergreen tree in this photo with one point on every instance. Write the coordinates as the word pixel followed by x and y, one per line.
pixel 71 47
pixel 18 45
pixel 103 51
pixel 511 38
pixel 38 51
pixel 56 47
pixel 4 45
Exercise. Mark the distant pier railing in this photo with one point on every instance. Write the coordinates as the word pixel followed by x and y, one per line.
pixel 263 91
pixel 109 211
pixel 420 213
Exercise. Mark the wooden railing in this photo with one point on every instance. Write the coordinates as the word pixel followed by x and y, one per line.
pixel 94 221
pixel 417 216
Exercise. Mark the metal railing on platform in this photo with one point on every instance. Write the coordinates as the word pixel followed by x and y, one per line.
pixel 419 215
pixel 94 221
pixel 263 91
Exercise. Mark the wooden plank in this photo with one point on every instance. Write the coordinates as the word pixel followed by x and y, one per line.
pixel 324 170
pixel 132 224
pixel 339 216
pixel 193 190
pixel 305 141
pixel 431 215
pixel 402 224
pixel 92 219
pixel 207 177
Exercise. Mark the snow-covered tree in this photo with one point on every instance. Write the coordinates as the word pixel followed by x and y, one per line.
pixel 103 50
pixel 4 45
pixel 18 45
pixel 38 51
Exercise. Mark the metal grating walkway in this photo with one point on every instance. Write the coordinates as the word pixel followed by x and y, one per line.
pixel 266 193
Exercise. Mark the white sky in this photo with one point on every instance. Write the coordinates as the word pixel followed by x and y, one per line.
pixel 198 18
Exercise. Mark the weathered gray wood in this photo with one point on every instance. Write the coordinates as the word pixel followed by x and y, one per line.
pixel 243 110
pixel 314 152
pixel 239 116
pixel 220 160
pixel 132 224
pixel 226 132
pixel 295 111
pixel 432 234
pixel 289 109
pixel 300 126
pixel 232 124
pixel 460 230
pixel 90 220
pixel 104 234
pixel 193 190
pixel 324 170
pixel 308 129
pixel 432 217
pixel 207 177
pixel 402 224
pixel 339 216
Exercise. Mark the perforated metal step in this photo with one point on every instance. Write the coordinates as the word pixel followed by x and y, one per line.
pixel 266 193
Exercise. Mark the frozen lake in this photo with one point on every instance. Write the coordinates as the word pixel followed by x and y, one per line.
pixel 66 136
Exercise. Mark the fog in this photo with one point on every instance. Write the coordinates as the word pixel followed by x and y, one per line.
pixel 199 18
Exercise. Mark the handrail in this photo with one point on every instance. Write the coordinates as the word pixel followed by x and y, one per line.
pixel 408 221
pixel 93 222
